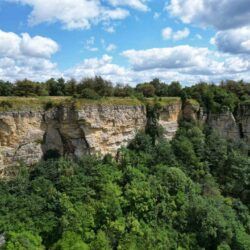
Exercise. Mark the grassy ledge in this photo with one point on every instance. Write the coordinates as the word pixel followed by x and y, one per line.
pixel 39 103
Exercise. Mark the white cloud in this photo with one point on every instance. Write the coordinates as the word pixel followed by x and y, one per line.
pixel 111 47
pixel 38 46
pixel 172 57
pixel 89 44
pixel 26 57
pixel 94 66
pixel 77 14
pixel 13 45
pixel 222 15
pixel 37 69
pixel 156 15
pixel 181 34
pixel 186 60
pixel 235 41
pixel 109 29
pixel 168 33
pixel 136 4
pixel 212 69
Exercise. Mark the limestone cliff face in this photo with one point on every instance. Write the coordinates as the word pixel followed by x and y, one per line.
pixel 225 124
pixel 27 136
pixel 228 125
pixel 21 134
pixel 232 126
pixel 169 117
pixel 92 129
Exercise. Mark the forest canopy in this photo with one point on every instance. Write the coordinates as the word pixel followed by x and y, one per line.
pixel 228 94
pixel 190 193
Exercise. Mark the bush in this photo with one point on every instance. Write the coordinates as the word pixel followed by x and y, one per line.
pixel 5 104
pixel 89 94
pixel 48 105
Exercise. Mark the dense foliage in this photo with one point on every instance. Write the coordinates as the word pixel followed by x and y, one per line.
pixel 191 193
pixel 215 98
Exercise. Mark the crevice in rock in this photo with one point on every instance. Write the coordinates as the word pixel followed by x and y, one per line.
pixel 241 132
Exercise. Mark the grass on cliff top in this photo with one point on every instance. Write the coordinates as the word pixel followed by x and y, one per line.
pixel 39 103
pixel 28 103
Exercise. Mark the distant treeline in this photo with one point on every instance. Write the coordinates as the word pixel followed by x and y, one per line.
pixel 213 97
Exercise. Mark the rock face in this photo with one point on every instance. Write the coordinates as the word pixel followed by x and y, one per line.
pixel 232 126
pixel 28 136
pixel 21 135
pixel 225 123
pixel 169 117
pixel 243 118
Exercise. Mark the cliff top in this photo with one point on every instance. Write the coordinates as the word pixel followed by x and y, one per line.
pixel 42 103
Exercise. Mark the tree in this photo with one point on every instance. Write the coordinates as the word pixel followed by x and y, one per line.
pixel 174 89
pixel 6 88
pixel 26 88
pixel 70 241
pixel 23 241
pixel 89 94
pixel 146 89
pixel 71 87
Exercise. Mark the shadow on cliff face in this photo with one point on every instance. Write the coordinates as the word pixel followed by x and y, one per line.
pixel 51 154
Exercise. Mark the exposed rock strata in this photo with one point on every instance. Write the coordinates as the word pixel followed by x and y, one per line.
pixel 97 129
pixel 26 136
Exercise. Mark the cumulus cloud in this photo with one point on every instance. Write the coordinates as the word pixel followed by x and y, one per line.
pixel 37 69
pixel 13 45
pixel 95 66
pixel 181 34
pixel 24 56
pixel 186 60
pixel 235 41
pixel 168 58
pixel 168 33
pixel 222 15
pixel 80 14
pixel 136 4
pixel 111 47
pixel 193 71
pixel 156 15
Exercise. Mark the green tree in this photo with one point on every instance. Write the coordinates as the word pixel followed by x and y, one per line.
pixel 147 89
pixel 70 241
pixel 23 240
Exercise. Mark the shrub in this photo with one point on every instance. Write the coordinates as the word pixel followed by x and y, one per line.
pixel 89 94
pixel 5 104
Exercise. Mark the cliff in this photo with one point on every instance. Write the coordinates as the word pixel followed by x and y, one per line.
pixel 234 126
pixel 34 128
pixel 29 133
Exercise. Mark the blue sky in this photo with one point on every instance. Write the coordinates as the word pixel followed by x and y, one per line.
pixel 126 41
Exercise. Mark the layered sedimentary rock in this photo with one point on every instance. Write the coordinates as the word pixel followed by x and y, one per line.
pixel 230 126
pixel 27 136
pixel 169 117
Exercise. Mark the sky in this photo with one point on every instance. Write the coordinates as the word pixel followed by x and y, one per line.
pixel 125 41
